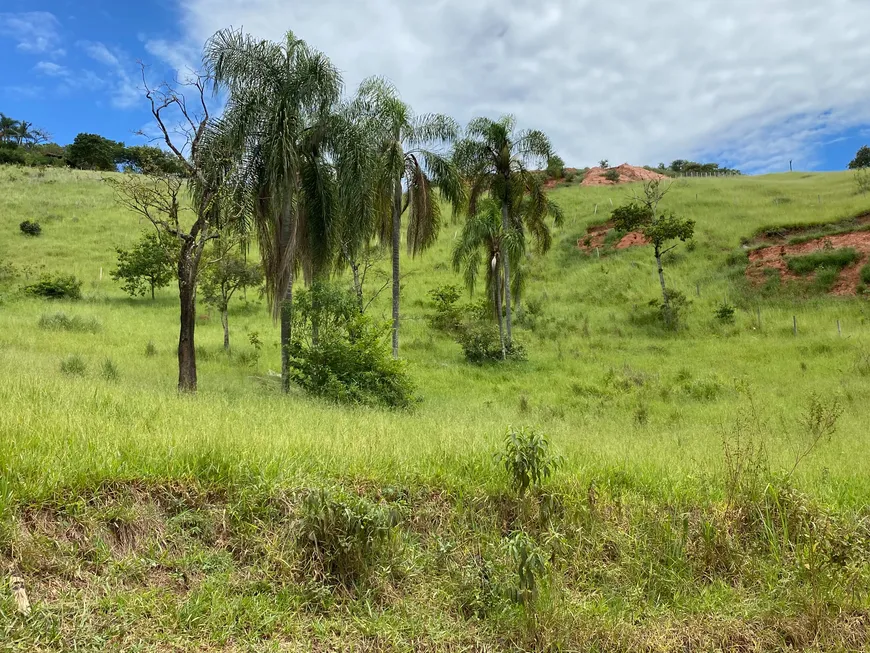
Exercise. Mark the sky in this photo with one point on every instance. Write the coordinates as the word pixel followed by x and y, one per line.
pixel 752 84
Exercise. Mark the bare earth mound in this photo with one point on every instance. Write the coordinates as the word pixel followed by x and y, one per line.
pixel 596 235
pixel 627 175
pixel 775 257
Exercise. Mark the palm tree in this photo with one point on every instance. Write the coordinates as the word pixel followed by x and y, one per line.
pixel 483 242
pixel 21 132
pixel 280 95
pixel 8 128
pixel 407 173
pixel 495 159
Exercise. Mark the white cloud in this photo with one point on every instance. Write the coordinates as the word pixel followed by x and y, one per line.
pixel 125 89
pixel 36 32
pixel 51 69
pixel 757 82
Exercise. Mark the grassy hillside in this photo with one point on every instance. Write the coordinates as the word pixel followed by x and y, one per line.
pixel 158 521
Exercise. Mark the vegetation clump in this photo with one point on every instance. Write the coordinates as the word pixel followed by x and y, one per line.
pixel 60 321
pixel 55 286
pixel 146 266
pixel 338 353
pixel 30 228
pixel 73 365
pixel 824 258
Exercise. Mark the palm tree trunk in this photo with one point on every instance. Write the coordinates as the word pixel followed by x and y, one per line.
pixel 497 294
pixel 397 229
pixel 287 242
pixel 505 225
pixel 187 300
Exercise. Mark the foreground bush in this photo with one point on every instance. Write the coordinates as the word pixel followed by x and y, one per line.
pixel 341 355
pixel 481 344
pixel 58 286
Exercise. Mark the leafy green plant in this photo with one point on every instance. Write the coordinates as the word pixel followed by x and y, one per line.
pixel 481 343
pixel 865 274
pixel 150 349
pixel 73 365
pixel 57 286
pixel 342 536
pixel 530 568
pixel 29 228
pixel 60 321
pixel 528 459
pixel 339 354
pixel 612 175
pixel 725 312
pixel 448 314
pixel 828 258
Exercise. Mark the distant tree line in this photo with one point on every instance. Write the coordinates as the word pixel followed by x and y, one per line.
pixel 23 144
pixel 685 167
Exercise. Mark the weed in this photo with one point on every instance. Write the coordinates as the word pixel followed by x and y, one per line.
pixel 530 569
pixel 60 321
pixel 528 459
pixel 73 365
pixel 150 349
pixel 819 423
pixel 109 371
pixel 342 536
pixel 641 415
pixel 865 274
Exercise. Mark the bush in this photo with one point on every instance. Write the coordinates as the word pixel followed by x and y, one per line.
pixel 612 175
pixel 62 322
pixel 11 156
pixel 349 360
pixel 671 317
pixel 150 349
pixel 448 315
pixel 56 287
pixel 828 258
pixel 481 343
pixel 865 274
pixel 826 278
pixel 725 313
pixel 29 228
pixel 528 459
pixel 342 536
pixel 73 365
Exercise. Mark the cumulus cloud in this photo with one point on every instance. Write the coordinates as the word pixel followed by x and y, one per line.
pixel 753 82
pixel 36 32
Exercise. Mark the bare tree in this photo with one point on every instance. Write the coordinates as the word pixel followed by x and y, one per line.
pixel 184 126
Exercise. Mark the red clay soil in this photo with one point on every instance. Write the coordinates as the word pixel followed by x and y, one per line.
pixel 627 175
pixel 774 258
pixel 595 237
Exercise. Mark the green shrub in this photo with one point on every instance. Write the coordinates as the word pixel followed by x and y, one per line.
pixel 29 228
pixel 865 274
pixel 62 322
pixel 342 536
pixel 827 258
pixel 826 278
pixel 349 360
pixel 448 315
pixel 528 459
pixel 150 349
pixel 73 365
pixel 11 156
pixel 481 343
pixel 530 568
pixel 725 312
pixel 56 287
pixel 612 175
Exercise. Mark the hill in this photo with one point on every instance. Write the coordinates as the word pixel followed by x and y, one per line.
pixel 684 515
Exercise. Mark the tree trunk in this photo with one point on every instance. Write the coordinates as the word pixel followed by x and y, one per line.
pixel 397 228
pixel 225 322
pixel 505 225
pixel 287 242
pixel 152 292
pixel 187 299
pixel 497 292
pixel 357 285
pixel 665 300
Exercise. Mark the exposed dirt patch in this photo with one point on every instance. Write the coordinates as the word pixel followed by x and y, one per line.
pixel 781 235
pixel 627 175
pixel 597 235
pixel 775 258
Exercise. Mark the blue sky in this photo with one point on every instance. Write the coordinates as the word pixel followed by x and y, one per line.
pixel 749 83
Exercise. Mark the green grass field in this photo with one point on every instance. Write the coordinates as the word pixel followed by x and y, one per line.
pixel 141 520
